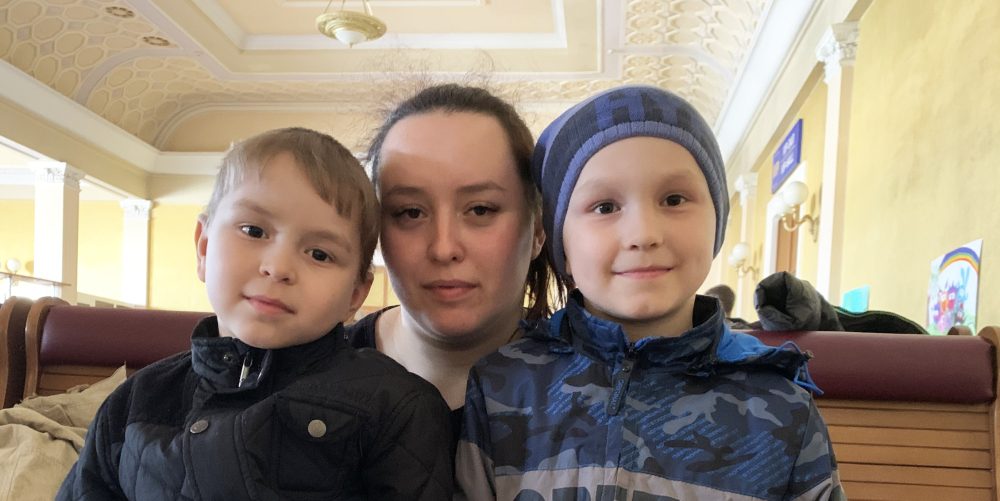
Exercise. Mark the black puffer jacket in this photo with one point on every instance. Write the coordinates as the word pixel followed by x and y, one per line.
pixel 315 421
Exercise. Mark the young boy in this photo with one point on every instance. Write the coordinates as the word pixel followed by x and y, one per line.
pixel 637 389
pixel 271 403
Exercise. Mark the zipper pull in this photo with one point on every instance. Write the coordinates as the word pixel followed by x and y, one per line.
pixel 619 383
pixel 245 371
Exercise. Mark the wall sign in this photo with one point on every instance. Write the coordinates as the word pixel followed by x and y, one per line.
pixel 787 157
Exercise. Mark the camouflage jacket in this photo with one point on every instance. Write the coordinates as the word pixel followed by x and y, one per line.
pixel 575 411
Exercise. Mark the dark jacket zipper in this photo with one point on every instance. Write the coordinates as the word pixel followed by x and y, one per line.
pixel 619 385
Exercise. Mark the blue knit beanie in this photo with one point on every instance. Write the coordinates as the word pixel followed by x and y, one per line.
pixel 620 113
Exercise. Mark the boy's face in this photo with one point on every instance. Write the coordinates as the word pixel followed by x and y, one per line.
pixel 639 235
pixel 279 263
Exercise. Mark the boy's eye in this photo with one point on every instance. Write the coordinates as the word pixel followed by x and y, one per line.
pixel 252 231
pixel 675 200
pixel 320 255
pixel 605 208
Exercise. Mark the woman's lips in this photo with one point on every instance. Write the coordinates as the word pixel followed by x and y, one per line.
pixel 449 290
pixel 644 272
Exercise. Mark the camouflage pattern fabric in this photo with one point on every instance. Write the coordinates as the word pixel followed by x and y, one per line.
pixel 577 412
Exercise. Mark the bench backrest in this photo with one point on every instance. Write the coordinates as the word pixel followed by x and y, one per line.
pixel 13 315
pixel 71 345
pixel 910 416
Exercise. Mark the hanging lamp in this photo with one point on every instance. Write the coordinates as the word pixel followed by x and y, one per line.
pixel 350 27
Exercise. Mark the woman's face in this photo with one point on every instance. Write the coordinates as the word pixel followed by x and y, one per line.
pixel 457 232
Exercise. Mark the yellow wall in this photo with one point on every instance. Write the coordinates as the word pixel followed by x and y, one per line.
pixel 17 233
pixel 813 115
pixel 100 250
pixel 173 276
pixel 923 171
pixel 812 111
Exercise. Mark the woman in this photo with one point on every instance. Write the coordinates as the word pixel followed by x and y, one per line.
pixel 461 234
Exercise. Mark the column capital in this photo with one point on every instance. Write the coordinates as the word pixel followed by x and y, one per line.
pixel 746 186
pixel 58 173
pixel 839 46
pixel 136 208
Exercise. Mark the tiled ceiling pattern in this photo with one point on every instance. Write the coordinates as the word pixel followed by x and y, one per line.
pixel 110 58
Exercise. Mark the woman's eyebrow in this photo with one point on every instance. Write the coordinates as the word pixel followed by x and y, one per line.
pixel 481 187
pixel 403 190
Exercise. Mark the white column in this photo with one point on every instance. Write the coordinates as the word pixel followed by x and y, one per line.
pixel 837 51
pixel 135 250
pixel 746 185
pixel 57 225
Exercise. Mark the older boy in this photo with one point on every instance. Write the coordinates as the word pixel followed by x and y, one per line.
pixel 638 389
pixel 270 403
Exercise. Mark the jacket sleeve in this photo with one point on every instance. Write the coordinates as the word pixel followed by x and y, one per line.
pixel 411 456
pixel 95 474
pixel 814 475
pixel 473 461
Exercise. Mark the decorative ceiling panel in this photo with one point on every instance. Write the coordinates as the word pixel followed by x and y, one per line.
pixel 148 66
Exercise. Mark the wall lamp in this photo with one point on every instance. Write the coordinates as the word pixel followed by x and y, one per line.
pixel 793 196
pixel 738 259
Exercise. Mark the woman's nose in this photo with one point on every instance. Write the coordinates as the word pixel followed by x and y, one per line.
pixel 445 244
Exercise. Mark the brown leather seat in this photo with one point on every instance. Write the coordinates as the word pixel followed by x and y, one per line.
pixel 69 345
pixel 896 367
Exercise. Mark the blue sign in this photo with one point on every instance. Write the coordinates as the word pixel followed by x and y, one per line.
pixel 788 156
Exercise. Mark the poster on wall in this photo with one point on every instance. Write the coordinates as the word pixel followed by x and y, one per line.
pixel 953 292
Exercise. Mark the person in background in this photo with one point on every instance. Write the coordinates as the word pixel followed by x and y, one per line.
pixel 726 297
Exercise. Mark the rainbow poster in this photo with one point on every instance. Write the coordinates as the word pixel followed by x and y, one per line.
pixel 954 289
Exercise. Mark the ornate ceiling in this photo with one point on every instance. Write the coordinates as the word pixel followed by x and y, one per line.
pixel 194 75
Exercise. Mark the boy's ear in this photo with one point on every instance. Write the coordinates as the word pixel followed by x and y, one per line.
pixel 358 295
pixel 201 244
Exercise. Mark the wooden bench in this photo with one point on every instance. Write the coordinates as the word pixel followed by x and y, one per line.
pixel 911 416
pixel 66 345
pixel 13 315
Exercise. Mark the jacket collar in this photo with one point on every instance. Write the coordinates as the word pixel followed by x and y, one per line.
pixel 606 341
pixel 219 360
pixel 708 348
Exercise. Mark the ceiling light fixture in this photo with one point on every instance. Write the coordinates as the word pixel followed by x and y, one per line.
pixel 350 27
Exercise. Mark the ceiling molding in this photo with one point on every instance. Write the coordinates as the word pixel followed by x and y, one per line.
pixel 51 106
pixel 192 164
pixel 554 39
pixel 785 86
pixel 774 46
pixel 522 41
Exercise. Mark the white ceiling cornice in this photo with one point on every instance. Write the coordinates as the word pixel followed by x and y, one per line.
pixel 53 107
pixel 553 39
pixel 779 31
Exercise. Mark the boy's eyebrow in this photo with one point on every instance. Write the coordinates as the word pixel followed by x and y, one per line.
pixel 326 235
pixel 329 236
pixel 676 176
pixel 251 206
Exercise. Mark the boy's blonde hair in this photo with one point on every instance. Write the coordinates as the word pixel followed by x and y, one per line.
pixel 332 170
